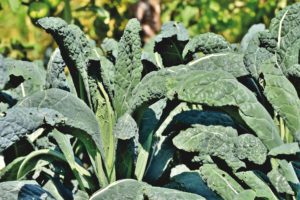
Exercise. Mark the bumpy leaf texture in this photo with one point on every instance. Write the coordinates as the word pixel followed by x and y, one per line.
pixel 128 66
pixel 126 127
pixel 260 49
pixel 20 121
pixel 285 27
pixel 56 77
pixel 228 61
pixel 76 51
pixel 24 72
pixel 217 88
pixel 260 60
pixel 222 142
pixel 4 75
pixel 207 43
pixel 107 71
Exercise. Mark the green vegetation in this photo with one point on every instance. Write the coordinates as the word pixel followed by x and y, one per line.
pixel 104 18
pixel 181 118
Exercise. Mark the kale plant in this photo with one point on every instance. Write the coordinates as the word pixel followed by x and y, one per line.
pixel 180 118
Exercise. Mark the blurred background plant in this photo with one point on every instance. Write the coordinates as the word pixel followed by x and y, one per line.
pixel 20 39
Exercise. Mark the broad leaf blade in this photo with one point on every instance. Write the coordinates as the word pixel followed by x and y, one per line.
pixel 80 117
pixel 190 181
pixel 206 43
pixel 219 181
pixel 20 121
pixel 285 149
pixel 259 186
pixel 15 190
pixel 132 189
pixel 279 91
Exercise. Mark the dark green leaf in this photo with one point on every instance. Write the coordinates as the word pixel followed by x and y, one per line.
pixel 207 43
pixel 15 190
pixel 20 121
pixel 132 189
pixel 110 47
pixel 170 44
pixel 128 66
pixel 219 181
pixel 75 48
pixel 80 117
pixel 56 77
pixel 222 142
pixel 191 181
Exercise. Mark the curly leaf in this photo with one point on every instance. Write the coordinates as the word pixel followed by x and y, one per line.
pixel 216 88
pixel 128 66
pixel 75 48
pixel 222 142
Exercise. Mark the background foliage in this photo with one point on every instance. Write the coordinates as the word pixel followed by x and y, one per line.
pixel 104 18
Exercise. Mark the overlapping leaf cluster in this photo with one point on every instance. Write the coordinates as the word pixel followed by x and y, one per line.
pixel 199 117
